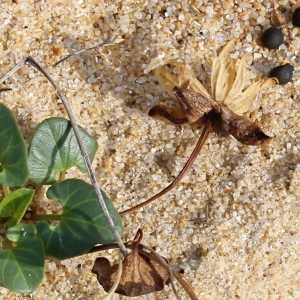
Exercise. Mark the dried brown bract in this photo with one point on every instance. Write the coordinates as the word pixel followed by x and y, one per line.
pixel 142 273
pixel 221 111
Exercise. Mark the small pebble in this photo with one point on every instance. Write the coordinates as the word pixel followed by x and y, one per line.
pixel 272 38
pixel 283 73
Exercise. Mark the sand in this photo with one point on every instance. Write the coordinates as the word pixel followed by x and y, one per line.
pixel 250 247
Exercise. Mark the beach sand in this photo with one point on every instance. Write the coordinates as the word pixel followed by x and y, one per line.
pixel 251 245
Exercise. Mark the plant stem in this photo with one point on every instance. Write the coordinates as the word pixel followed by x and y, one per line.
pixel 46 217
pixel 6 190
pixel 204 135
pixel 62 176
pixel 105 43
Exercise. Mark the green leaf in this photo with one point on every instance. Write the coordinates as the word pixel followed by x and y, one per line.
pixel 82 223
pixel 15 204
pixel 54 149
pixel 13 155
pixel 22 266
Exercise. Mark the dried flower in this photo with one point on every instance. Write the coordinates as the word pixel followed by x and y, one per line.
pixel 224 107
pixel 220 112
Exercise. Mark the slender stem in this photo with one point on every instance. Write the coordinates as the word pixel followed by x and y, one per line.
pixel 46 217
pixel 82 148
pixel 186 286
pixel 6 190
pixel 104 247
pixel 163 263
pixel 62 176
pixel 117 279
pixel 105 43
pixel 204 135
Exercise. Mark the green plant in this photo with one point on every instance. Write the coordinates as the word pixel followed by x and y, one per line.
pixel 88 216
pixel 81 225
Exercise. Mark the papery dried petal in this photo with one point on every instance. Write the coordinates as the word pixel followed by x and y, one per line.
pixel 198 87
pixel 242 103
pixel 231 70
pixel 269 83
pixel 219 75
pixel 167 80
pixel 238 85
pixel 185 74
pixel 185 77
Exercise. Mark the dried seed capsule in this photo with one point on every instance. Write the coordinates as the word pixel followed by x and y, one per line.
pixel 296 17
pixel 272 38
pixel 283 73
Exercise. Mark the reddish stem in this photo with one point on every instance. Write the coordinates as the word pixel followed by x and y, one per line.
pixel 203 137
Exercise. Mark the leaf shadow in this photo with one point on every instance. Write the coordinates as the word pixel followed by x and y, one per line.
pixel 59 144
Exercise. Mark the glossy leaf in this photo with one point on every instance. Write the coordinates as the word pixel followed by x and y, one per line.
pixel 54 149
pixel 22 266
pixel 15 204
pixel 13 155
pixel 82 224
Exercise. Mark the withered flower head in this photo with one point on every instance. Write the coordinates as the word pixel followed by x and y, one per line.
pixel 226 104
pixel 221 111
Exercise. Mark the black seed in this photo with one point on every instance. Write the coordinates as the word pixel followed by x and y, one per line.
pixel 180 42
pixel 283 73
pixel 272 38
pixel 296 17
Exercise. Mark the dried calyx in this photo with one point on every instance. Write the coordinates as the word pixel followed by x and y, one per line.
pixel 141 275
pixel 144 271
pixel 221 112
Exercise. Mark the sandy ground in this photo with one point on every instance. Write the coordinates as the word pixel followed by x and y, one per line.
pixel 250 247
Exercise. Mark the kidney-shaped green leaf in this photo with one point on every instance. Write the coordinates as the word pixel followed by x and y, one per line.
pixel 22 266
pixel 13 155
pixel 15 204
pixel 82 224
pixel 54 149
